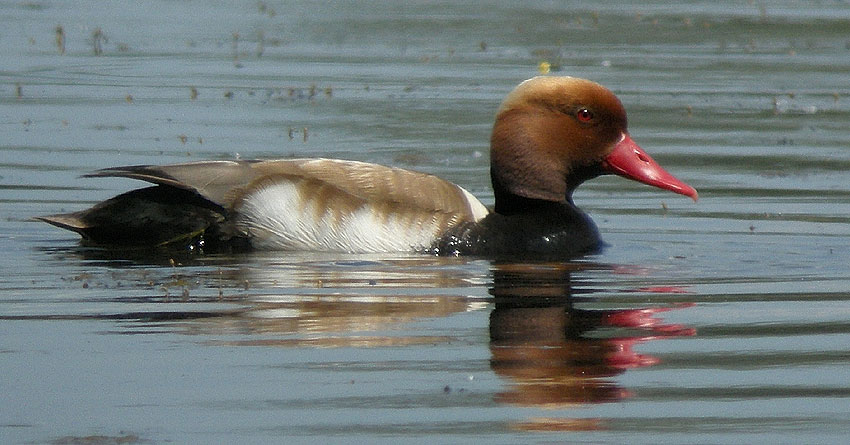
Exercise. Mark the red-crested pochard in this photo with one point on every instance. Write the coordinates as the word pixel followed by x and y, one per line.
pixel 550 135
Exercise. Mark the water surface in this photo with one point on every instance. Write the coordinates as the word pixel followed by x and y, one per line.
pixel 720 321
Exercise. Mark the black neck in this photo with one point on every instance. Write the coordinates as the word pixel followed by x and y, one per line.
pixel 508 203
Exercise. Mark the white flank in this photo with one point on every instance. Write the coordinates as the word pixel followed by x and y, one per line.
pixel 478 210
pixel 277 218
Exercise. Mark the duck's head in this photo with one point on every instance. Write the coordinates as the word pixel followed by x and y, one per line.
pixel 553 133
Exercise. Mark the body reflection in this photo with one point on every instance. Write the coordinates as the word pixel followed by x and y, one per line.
pixel 556 355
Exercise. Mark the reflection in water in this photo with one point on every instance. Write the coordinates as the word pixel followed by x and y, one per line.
pixel 297 299
pixel 348 320
pixel 314 300
pixel 346 301
pixel 551 343
pixel 556 355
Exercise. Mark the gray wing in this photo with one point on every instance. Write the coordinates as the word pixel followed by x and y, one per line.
pixel 225 183
pixel 213 180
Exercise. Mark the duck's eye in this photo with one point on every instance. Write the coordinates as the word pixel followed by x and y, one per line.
pixel 584 115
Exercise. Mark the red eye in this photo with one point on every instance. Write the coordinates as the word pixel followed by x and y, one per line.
pixel 584 115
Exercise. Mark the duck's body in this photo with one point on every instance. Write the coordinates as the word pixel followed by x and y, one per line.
pixel 550 135
pixel 293 204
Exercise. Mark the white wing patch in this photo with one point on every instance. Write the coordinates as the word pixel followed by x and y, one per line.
pixel 277 218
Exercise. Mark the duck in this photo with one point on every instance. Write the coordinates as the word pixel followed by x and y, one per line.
pixel 551 134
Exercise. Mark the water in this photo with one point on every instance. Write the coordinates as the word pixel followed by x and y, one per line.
pixel 720 321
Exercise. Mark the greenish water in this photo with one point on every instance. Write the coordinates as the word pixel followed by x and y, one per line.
pixel 715 322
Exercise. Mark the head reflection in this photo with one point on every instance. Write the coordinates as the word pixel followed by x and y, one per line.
pixel 557 355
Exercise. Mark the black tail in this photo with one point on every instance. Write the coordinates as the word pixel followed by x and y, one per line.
pixel 152 216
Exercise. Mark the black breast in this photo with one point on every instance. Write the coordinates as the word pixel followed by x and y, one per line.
pixel 558 230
